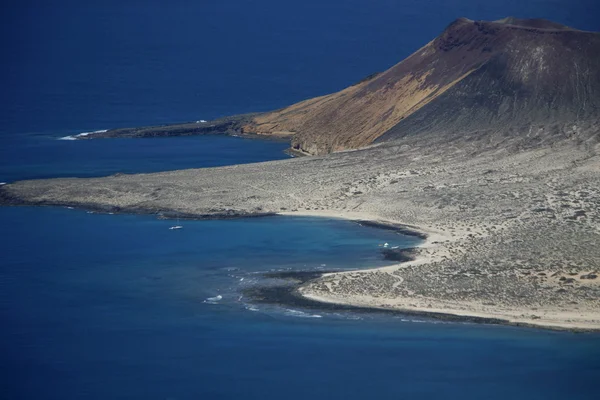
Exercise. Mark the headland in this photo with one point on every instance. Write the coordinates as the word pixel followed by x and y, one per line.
pixel 486 140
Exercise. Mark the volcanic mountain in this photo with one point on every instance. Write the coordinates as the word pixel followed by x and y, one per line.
pixel 530 80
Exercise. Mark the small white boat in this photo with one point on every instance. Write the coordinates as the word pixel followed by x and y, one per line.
pixel 176 226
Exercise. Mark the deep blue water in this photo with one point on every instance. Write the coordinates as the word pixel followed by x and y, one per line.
pixel 97 306
pixel 43 156
pixel 95 64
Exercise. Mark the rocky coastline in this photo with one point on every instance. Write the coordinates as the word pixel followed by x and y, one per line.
pixel 511 238
pixel 487 150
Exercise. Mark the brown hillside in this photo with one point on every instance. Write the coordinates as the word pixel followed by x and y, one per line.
pixel 475 75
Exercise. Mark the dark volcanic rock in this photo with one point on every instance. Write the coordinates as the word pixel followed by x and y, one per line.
pixel 401 255
pixel 287 295
pixel 403 229
pixel 222 126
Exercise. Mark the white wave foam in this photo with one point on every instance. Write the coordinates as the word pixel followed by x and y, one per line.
pixel 348 316
pixel 2 183
pixel 252 308
pixel 417 321
pixel 213 300
pixel 300 314
pixel 89 133
pixel 82 134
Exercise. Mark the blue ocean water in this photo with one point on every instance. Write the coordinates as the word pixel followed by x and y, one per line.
pixel 96 64
pixel 43 156
pixel 98 306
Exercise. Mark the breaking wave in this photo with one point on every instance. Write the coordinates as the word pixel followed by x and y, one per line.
pixel 75 137
pixel 300 314
pixel 213 300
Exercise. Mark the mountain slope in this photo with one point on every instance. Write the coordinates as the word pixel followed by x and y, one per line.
pixel 506 76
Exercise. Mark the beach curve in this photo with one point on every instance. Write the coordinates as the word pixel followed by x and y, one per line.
pixel 549 319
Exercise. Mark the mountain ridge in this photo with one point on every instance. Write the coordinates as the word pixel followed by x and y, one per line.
pixel 512 83
pixel 520 59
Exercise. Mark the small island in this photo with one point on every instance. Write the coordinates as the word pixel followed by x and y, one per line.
pixel 486 141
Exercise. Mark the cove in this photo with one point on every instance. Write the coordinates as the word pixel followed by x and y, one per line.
pixel 100 306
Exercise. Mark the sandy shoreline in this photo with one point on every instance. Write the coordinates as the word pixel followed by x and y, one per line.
pixel 429 307
pixel 549 319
